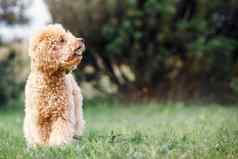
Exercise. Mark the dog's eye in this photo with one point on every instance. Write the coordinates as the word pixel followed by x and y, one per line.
pixel 62 40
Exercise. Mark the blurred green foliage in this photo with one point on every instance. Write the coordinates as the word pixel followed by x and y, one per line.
pixel 9 86
pixel 12 61
pixel 13 71
pixel 171 49
pixel 175 48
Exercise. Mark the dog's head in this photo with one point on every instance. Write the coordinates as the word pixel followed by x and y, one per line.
pixel 54 49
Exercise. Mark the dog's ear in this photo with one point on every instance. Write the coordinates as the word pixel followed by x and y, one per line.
pixel 46 37
pixel 36 44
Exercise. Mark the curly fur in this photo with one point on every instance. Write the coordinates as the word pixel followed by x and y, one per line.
pixel 53 101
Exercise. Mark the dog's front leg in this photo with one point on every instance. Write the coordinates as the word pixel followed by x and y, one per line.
pixel 78 102
pixel 62 132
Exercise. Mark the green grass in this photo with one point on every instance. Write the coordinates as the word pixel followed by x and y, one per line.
pixel 153 131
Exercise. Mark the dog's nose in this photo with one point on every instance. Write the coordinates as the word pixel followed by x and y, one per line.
pixel 80 43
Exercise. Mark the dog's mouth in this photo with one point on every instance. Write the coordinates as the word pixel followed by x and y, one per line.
pixel 72 61
pixel 79 51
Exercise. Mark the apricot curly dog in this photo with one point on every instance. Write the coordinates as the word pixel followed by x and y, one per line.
pixel 53 101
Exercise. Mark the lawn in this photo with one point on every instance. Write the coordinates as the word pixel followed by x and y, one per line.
pixel 135 131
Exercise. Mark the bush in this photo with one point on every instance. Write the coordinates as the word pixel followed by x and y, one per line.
pixel 172 48
pixel 13 72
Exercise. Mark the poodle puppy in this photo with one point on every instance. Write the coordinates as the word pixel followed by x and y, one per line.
pixel 53 101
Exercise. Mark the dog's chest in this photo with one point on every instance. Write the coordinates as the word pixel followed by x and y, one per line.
pixel 54 99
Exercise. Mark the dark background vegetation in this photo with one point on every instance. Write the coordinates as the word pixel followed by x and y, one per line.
pixel 140 49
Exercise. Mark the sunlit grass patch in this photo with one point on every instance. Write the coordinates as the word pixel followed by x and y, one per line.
pixel 143 131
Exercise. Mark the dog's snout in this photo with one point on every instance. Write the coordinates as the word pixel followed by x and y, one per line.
pixel 81 40
pixel 80 43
